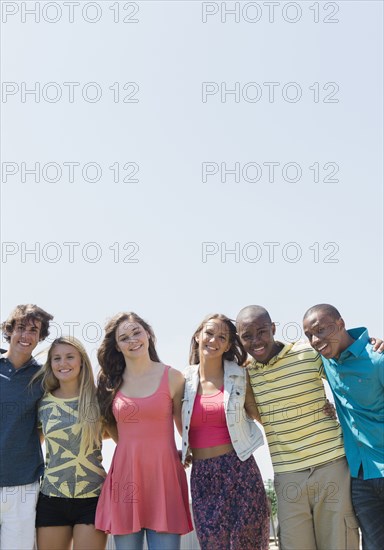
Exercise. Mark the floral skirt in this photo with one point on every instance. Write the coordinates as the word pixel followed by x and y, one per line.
pixel 229 504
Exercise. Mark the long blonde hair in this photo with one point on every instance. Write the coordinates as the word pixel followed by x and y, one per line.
pixel 88 410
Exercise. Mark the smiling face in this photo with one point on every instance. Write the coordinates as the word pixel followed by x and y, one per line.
pixel 65 363
pixel 132 340
pixel 326 334
pixel 256 333
pixel 25 337
pixel 213 339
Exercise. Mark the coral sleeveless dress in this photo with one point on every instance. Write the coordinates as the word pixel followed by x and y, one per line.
pixel 146 486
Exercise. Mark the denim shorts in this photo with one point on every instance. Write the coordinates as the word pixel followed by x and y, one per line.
pixel 56 511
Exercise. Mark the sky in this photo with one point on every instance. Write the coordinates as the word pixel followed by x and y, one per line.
pixel 182 158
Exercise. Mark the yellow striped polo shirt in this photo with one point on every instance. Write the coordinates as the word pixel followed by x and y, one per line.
pixel 290 395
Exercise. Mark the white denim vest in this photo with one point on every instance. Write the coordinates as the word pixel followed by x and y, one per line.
pixel 245 435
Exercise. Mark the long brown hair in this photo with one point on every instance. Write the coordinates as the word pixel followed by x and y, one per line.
pixel 112 362
pixel 235 353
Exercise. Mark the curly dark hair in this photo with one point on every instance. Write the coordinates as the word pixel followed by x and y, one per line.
pixel 235 353
pixel 28 313
pixel 112 362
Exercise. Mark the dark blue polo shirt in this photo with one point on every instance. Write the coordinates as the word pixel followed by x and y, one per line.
pixel 21 459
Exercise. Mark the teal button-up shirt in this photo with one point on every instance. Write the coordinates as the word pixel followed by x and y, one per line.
pixel 357 382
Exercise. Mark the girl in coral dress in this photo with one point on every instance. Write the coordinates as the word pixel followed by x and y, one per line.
pixel 146 488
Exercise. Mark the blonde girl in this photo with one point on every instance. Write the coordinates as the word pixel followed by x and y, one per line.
pixel 69 418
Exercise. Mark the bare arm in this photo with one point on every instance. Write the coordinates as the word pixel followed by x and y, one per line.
pixel 41 435
pixel 176 387
pixel 250 403
pixel 110 431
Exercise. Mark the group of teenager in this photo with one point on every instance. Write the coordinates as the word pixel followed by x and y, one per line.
pixel 329 471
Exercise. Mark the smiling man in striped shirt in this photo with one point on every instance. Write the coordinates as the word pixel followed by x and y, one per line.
pixel 312 478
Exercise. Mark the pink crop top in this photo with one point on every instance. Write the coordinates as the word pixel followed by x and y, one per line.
pixel 208 424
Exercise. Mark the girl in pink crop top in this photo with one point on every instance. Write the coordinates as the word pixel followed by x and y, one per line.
pixel 146 491
pixel 228 496
pixel 208 425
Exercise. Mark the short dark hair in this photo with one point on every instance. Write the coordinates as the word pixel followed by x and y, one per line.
pixel 253 312
pixel 27 313
pixel 327 309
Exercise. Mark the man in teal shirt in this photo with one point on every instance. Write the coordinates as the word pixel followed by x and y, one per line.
pixel 356 376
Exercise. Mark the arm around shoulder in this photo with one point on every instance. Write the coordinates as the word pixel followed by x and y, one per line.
pixel 176 388
pixel 378 344
pixel 110 432
pixel 250 403
pixel 41 435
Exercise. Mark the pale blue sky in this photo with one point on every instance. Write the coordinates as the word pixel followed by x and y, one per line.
pixel 169 133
